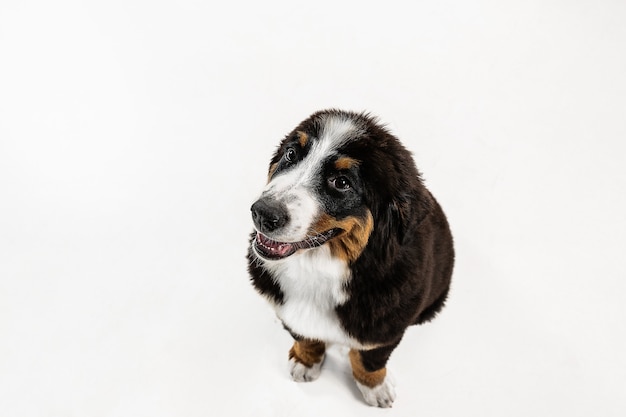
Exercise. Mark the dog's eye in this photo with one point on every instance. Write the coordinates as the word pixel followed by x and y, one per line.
pixel 290 155
pixel 340 183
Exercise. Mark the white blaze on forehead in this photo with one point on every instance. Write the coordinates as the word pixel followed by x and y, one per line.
pixel 336 129
pixel 294 188
pixel 334 132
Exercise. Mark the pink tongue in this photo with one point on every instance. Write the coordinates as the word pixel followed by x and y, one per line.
pixel 274 247
pixel 283 248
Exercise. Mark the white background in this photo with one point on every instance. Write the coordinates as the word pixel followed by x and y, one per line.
pixel 134 135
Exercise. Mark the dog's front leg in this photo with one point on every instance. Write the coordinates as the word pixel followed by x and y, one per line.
pixel 305 359
pixel 370 374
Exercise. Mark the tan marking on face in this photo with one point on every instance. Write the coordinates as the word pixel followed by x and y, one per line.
pixel 307 352
pixel 345 163
pixel 303 139
pixel 351 242
pixel 271 171
pixel 369 379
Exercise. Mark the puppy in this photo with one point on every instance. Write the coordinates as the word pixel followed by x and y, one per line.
pixel 349 246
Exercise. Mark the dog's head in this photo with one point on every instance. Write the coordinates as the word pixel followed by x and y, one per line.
pixel 336 179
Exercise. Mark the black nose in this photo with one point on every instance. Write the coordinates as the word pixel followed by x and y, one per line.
pixel 269 215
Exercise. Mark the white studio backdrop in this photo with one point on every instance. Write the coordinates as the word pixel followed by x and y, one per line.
pixel 134 136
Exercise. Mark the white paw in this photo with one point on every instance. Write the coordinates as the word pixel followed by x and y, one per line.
pixel 302 373
pixel 382 395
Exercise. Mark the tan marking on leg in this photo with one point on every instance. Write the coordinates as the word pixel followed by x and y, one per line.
pixel 271 171
pixel 370 379
pixel 356 232
pixel 303 138
pixel 307 352
pixel 345 163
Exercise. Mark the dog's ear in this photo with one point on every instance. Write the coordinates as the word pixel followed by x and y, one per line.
pixel 398 213
pixel 402 211
pixel 391 220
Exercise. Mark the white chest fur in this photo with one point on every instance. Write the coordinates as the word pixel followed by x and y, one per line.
pixel 313 286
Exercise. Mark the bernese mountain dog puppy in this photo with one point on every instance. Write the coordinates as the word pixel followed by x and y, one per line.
pixel 349 246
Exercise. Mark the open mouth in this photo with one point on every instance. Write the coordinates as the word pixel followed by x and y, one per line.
pixel 270 249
